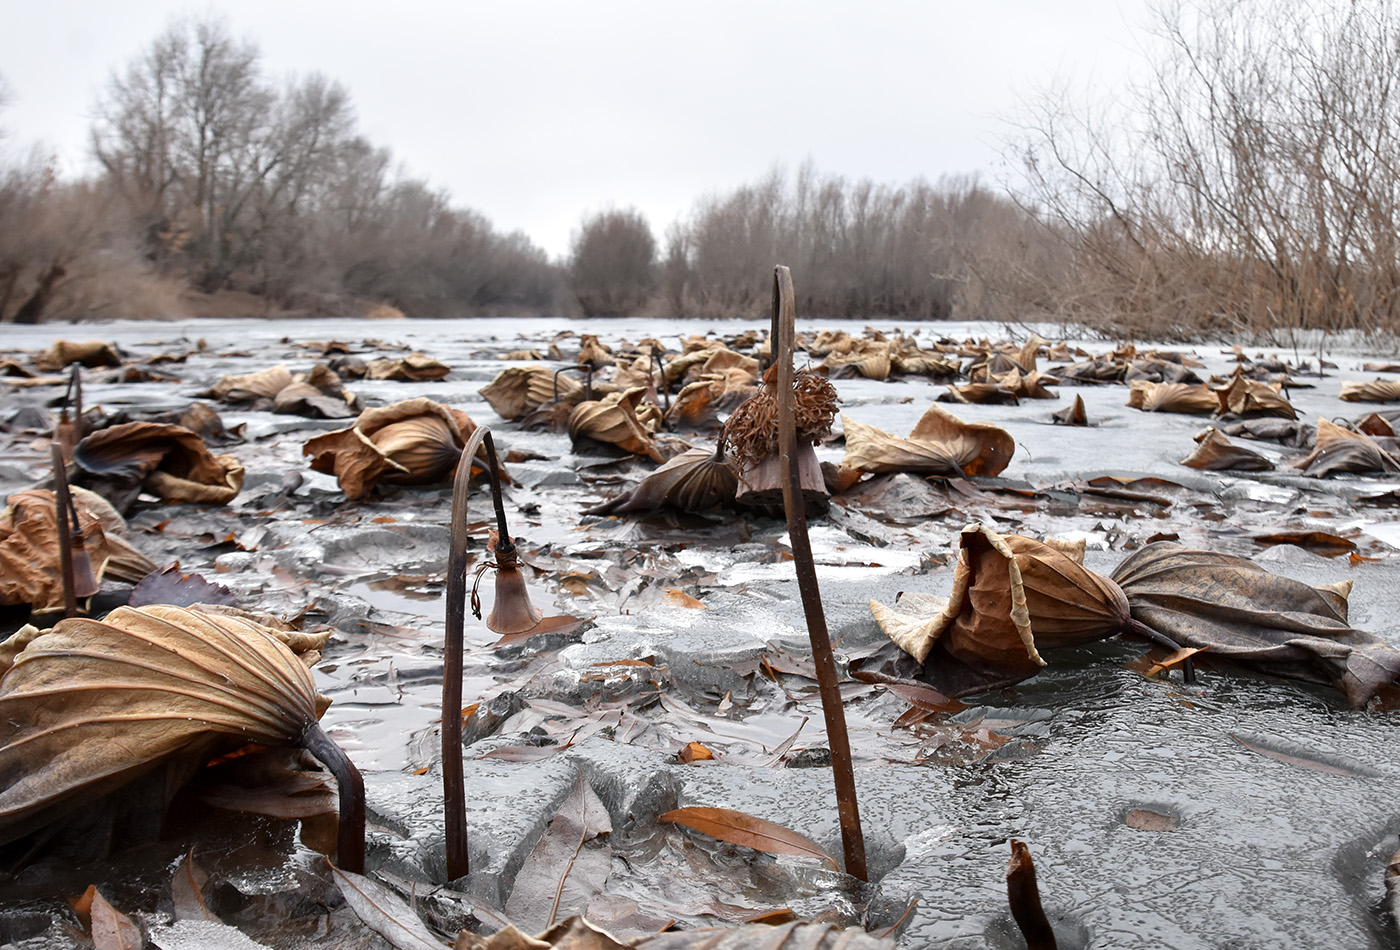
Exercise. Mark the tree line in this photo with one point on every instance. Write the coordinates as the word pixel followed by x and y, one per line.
pixel 1246 182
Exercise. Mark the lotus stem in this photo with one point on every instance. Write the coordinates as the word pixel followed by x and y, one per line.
pixel 350 841
pixel 656 360
pixel 62 502
pixel 1188 666
pixel 454 791
pixel 586 369
pixel 1024 895
pixel 843 773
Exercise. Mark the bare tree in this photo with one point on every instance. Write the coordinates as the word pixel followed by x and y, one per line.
pixel 613 265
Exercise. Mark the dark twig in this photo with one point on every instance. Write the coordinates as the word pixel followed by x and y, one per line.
pixel 843 773
pixel 1188 668
pixel 586 369
pixel 1024 895
pixel 62 502
pixel 350 844
pixel 453 780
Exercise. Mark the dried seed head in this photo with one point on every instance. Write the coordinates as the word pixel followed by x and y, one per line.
pixel 751 433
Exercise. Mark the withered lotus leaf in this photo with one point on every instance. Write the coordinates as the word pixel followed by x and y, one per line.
pixel 1338 449
pixel 1247 397
pixel 618 419
pixel 1215 452
pixel 698 480
pixel 167 460
pixel 1172 397
pixel 1378 390
pixel 91 353
pixel 981 394
pixel 30 572
pixel 90 706
pixel 1243 613
pixel 940 444
pixel 247 387
pixel 413 368
pixel 1072 415
pixel 1011 597
pixel 520 390
pixel 414 442
pixel 699 403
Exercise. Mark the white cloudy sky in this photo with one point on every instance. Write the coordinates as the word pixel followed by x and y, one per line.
pixel 536 113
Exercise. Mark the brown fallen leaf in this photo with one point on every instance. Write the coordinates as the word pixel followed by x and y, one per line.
pixel 1215 452
pixel 111 929
pixel 384 912
pixel 166 460
pixel 698 480
pixel 695 752
pixel 1300 760
pixel 1378 390
pixel 520 390
pixel 1324 543
pixel 1145 819
pixel 1248 397
pixel 187 890
pixel 568 866
pixel 681 599
pixel 1342 450
pixel 739 828
pixel 1172 397
pixel 620 419
pixel 1072 415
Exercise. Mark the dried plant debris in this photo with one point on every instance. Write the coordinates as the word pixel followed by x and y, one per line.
pixel 940 444
pixel 316 394
pixel 1072 415
pixel 624 420
pixel 29 547
pixel 1246 398
pixel 1244 613
pixel 1214 452
pixel 413 368
pixel 751 433
pixel 1173 397
pixel 64 353
pixel 1378 390
pixel 100 722
pixel 1011 597
pixel 414 442
pixel 168 461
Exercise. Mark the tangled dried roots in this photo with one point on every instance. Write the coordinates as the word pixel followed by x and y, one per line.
pixel 751 434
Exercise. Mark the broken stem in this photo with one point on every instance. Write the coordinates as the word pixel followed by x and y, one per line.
pixel 794 504
pixel 350 842
pixel 1188 668
pixel 454 790
pixel 586 369
pixel 1024 895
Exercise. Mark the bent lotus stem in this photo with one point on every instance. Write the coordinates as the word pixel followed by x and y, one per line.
pixel 586 369
pixel 454 791
pixel 656 360
pixel 1188 667
pixel 843 772
pixel 350 785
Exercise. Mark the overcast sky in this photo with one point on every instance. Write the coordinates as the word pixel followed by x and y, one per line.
pixel 535 113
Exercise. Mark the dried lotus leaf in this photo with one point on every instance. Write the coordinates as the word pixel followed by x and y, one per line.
pixel 615 420
pixel 247 387
pixel 90 706
pixel 90 353
pixel 30 571
pixel 1073 415
pixel 1011 597
pixel 1377 390
pixel 1172 397
pixel 1242 612
pixel 166 460
pixel 413 442
pixel 413 368
pixel 520 390
pixel 303 399
pixel 1214 452
pixel 699 480
pixel 940 444
pixel 1248 397
pixel 1340 450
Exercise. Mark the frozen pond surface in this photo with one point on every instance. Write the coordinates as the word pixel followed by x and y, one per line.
pixel 1280 799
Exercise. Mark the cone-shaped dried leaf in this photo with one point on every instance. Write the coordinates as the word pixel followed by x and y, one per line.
pixel 1241 612
pixel 1341 450
pixel 1247 397
pixel 616 419
pixel 30 572
pixel 1214 452
pixel 1378 390
pixel 940 444
pixel 1011 596
pixel 90 706
pixel 166 460
pixel 414 442
pixel 1173 397
pixel 520 390
pixel 698 480
pixel 1073 415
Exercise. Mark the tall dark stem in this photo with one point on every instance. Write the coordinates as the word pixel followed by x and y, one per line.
pixel 454 791
pixel 843 772
pixel 65 541
pixel 350 843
